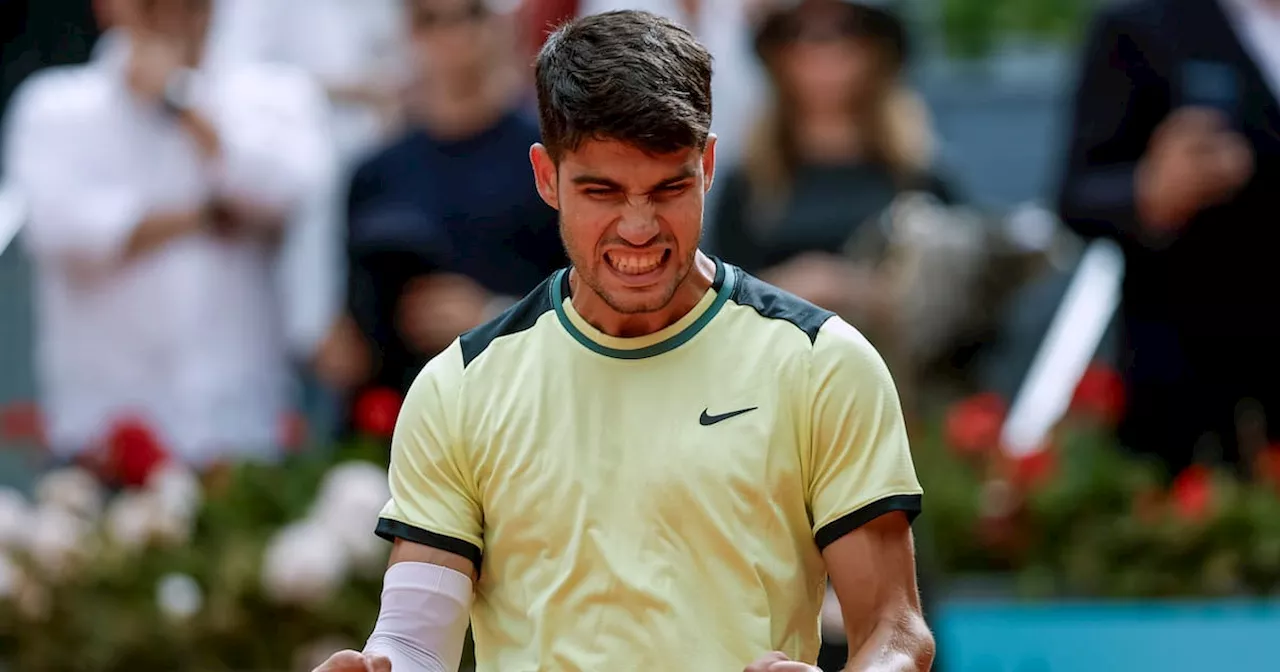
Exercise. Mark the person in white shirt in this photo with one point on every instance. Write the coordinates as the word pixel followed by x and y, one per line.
pixel 158 192
pixel 355 49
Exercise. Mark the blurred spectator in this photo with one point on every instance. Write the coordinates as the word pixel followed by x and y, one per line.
pixel 841 140
pixel 1175 153
pixel 446 228
pixel 354 48
pixel 538 18
pixel 158 191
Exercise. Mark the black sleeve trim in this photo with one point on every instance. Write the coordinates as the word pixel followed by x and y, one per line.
pixel 393 529
pixel 909 504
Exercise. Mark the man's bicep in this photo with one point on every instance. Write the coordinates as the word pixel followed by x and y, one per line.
pixel 873 572
pixel 860 463
pixel 434 502
pixel 408 551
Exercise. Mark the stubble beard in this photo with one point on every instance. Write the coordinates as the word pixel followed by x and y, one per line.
pixel 587 274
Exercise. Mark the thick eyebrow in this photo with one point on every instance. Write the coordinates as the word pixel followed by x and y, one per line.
pixel 595 180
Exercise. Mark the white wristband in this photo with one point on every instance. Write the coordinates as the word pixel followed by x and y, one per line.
pixel 424 617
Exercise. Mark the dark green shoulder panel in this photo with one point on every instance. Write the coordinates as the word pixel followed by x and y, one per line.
pixel 515 319
pixel 776 304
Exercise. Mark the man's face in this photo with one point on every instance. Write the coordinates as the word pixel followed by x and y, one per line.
pixel 186 22
pixel 631 222
pixel 451 37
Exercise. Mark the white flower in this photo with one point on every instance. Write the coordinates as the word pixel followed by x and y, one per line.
pixel 33 601
pixel 171 527
pixel 350 499
pixel 352 489
pixel 15 518
pixel 135 519
pixel 10 578
pixel 57 540
pixel 304 564
pixel 73 490
pixel 177 488
pixel 129 520
pixel 179 596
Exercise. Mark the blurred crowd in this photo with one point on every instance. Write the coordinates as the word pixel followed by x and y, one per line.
pixel 240 208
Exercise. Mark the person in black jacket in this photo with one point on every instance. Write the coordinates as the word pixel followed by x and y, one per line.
pixel 1175 153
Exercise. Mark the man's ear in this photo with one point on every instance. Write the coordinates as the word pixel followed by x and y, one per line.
pixel 544 174
pixel 709 163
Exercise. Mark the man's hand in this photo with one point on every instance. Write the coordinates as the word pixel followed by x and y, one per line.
pixel 344 359
pixel 1194 161
pixel 779 662
pixel 435 309
pixel 354 661
pixel 233 218
pixel 835 283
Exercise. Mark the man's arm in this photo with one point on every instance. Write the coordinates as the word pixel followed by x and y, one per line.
pixel 863 494
pixel 873 571
pixel 273 142
pixel 434 518
pixel 1120 99
pixel 426 608
pixel 86 207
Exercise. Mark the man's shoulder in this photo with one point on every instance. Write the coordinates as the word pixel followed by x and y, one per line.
pixel 389 153
pixel 520 317
pixel 63 93
pixel 772 303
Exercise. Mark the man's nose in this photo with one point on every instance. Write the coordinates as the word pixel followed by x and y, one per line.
pixel 639 224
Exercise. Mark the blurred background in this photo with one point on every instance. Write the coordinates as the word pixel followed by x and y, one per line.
pixel 231 232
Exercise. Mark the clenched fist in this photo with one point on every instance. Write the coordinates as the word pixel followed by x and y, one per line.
pixel 779 662
pixel 354 661
pixel 1194 161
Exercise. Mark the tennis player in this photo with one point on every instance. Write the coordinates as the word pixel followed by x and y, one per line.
pixel 653 461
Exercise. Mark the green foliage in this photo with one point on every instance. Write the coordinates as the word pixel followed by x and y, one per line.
pixel 105 617
pixel 972 28
pixel 1100 526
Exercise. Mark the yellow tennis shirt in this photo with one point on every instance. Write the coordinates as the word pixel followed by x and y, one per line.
pixel 654 503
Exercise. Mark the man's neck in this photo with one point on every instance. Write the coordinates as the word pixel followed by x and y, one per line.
pixel 598 314
pixel 463 109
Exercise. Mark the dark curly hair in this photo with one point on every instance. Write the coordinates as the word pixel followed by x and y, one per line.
pixel 630 76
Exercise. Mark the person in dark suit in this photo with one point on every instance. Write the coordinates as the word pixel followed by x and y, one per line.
pixel 1175 153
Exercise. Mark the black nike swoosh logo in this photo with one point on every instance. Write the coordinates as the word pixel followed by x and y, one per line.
pixel 708 420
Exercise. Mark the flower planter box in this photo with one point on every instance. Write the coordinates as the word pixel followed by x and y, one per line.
pixel 992 635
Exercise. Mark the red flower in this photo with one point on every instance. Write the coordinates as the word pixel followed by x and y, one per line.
pixel 1100 394
pixel 1192 492
pixel 133 452
pixel 376 410
pixel 21 422
pixel 1034 469
pixel 973 424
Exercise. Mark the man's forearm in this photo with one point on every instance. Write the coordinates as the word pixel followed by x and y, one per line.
pixel 902 644
pixel 161 228
pixel 203 132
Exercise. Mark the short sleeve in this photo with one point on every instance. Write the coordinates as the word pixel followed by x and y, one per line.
pixel 860 461
pixel 83 201
pixel 434 501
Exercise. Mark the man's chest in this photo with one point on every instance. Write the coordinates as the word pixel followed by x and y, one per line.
pixel 649 450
